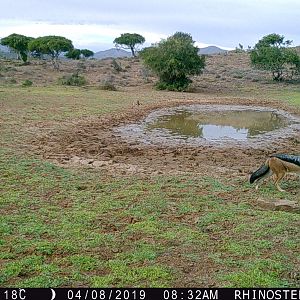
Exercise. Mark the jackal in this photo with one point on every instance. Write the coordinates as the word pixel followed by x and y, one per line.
pixel 279 165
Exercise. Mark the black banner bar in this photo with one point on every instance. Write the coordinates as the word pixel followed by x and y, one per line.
pixel 149 294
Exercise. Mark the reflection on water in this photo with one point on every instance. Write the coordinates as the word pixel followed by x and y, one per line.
pixel 212 125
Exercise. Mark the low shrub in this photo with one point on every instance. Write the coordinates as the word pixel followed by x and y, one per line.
pixel 180 86
pixel 73 80
pixel 107 86
pixel 11 80
pixel 117 67
pixel 27 83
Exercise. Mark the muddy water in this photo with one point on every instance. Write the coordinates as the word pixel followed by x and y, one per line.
pixel 216 125
pixel 213 125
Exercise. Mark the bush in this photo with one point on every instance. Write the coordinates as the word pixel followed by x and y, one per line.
pixel 73 80
pixel 145 73
pixel 27 83
pixel 108 86
pixel 271 53
pixel 11 81
pixel 173 60
pixel 81 67
pixel 179 86
pixel 117 67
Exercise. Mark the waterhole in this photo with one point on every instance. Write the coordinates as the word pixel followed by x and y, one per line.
pixel 213 124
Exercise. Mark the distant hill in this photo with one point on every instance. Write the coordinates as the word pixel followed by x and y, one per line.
pixel 5 52
pixel 4 48
pixel 112 53
pixel 211 50
pixel 115 53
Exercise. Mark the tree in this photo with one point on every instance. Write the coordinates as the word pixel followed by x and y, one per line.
pixel 271 54
pixel 77 53
pixel 73 54
pixel 18 43
pixel 87 53
pixel 51 45
pixel 129 41
pixel 173 60
pixel 239 49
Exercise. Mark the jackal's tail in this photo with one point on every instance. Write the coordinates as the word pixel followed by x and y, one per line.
pixel 263 172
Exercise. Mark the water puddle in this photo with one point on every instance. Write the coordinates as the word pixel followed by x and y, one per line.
pixel 215 125
pixel 212 124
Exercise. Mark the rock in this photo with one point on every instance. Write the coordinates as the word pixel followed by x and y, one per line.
pixel 75 159
pixel 266 204
pixel 86 162
pixel 100 163
pixel 287 205
pixel 280 204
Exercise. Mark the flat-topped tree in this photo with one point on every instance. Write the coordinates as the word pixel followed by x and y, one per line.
pixel 129 41
pixel 18 43
pixel 77 53
pixel 73 54
pixel 87 53
pixel 51 45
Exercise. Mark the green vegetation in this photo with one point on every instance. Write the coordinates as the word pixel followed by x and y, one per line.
pixel 173 60
pixel 64 226
pixel 73 80
pixel 73 54
pixel 129 41
pixel 86 53
pixel 107 86
pixel 45 45
pixel 18 43
pixel 60 227
pixel 27 83
pixel 77 53
pixel 271 54
pixel 50 45
pixel 293 97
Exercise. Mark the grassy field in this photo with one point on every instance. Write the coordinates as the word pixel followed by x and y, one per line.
pixel 292 97
pixel 64 226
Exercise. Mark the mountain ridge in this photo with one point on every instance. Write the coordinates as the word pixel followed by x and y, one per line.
pixel 111 53
pixel 119 53
pixel 211 50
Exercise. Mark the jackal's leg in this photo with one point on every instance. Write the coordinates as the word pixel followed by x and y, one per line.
pixel 277 179
pixel 258 183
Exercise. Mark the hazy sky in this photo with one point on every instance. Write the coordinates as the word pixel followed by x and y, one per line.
pixel 94 24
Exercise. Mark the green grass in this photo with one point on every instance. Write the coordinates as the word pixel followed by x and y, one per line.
pixel 291 96
pixel 260 273
pixel 75 227
pixel 92 242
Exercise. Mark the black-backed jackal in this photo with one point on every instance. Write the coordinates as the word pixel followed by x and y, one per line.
pixel 279 165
